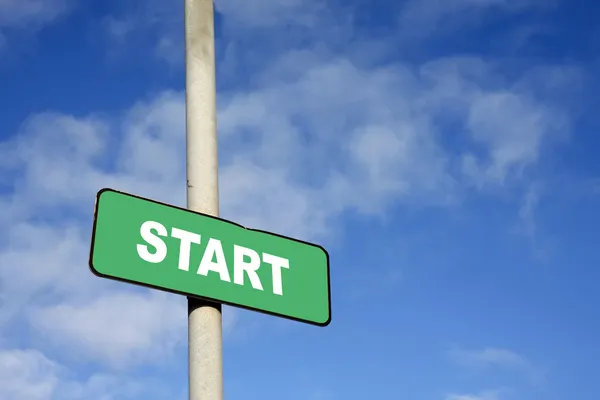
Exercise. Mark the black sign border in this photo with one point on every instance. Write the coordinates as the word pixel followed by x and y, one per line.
pixel 208 299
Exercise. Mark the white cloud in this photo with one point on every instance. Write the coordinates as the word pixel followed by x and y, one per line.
pixel 63 160
pixel 491 357
pixel 43 259
pixel 119 328
pixel 314 139
pixel 421 17
pixel 527 212
pixel 21 13
pixel 57 167
pixel 511 146
pixel 137 19
pixel 162 21
pixel 29 375
pixel 45 279
pixel 487 395
pixel 392 123
pixel 269 13
pixel 352 133
pixel 509 123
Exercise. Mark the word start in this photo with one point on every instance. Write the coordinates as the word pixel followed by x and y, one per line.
pixel 245 260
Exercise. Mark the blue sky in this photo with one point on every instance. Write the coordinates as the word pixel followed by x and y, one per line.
pixel 444 153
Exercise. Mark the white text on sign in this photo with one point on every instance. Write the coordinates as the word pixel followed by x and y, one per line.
pixel 245 260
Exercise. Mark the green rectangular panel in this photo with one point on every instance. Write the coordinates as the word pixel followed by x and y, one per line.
pixel 148 243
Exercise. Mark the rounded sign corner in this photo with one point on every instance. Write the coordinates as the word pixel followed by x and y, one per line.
pixel 105 190
pixel 94 270
pixel 326 323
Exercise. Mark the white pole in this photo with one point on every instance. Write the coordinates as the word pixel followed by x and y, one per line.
pixel 205 355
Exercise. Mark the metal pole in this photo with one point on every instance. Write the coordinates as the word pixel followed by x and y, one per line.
pixel 205 353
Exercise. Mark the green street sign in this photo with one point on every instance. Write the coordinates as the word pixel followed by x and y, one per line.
pixel 144 242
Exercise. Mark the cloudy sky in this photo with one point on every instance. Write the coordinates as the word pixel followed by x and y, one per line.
pixel 443 151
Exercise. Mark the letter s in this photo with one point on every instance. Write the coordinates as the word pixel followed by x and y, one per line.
pixel 156 242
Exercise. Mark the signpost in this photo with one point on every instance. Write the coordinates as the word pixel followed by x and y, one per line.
pixel 148 243
pixel 194 253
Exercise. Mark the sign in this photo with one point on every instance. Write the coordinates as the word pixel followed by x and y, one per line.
pixel 141 241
